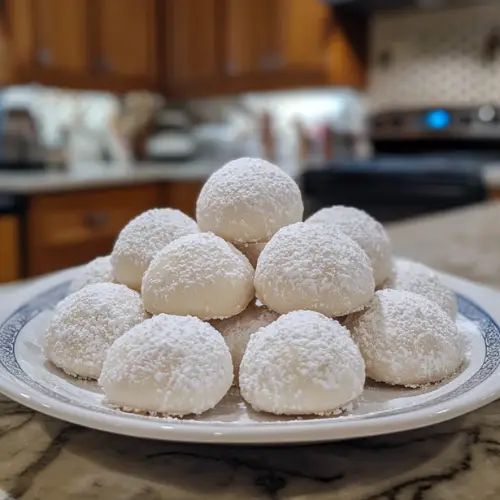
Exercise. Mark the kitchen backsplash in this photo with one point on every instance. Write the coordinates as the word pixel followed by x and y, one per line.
pixel 429 58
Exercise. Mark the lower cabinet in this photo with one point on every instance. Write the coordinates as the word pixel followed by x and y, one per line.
pixel 10 259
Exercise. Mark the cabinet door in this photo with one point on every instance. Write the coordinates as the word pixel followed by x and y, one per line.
pixel 9 249
pixel 302 31
pixel 250 40
pixel 59 34
pixel 125 44
pixel 192 41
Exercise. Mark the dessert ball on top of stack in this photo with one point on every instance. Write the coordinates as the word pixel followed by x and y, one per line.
pixel 142 238
pixel 368 233
pixel 247 201
pixel 418 278
pixel 200 275
pixel 311 266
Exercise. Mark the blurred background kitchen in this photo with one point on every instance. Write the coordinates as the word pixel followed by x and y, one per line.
pixel 111 107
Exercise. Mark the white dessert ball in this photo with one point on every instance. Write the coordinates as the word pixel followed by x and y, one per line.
pixel 171 365
pixel 86 323
pixel 302 363
pixel 367 232
pixel 248 200
pixel 198 275
pixel 309 266
pixel 251 251
pixel 418 278
pixel 406 339
pixel 142 238
pixel 98 270
pixel 238 330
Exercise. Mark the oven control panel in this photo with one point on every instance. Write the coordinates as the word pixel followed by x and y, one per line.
pixel 479 122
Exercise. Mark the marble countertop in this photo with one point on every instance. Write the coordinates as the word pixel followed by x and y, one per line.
pixel 109 175
pixel 44 458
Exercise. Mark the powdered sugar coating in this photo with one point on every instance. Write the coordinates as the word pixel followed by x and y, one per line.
pixel 367 232
pixel 86 323
pixel 238 330
pixel 251 251
pixel 406 339
pixel 199 275
pixel 302 363
pixel 171 365
pixel 248 200
pixel 309 266
pixel 142 238
pixel 418 278
pixel 98 270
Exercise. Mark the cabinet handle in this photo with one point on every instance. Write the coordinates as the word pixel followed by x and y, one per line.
pixel 230 68
pixel 44 57
pixel 96 220
pixel 276 61
pixel 102 64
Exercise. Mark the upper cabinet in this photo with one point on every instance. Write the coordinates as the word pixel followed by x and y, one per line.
pixel 183 48
pixel 124 43
pixel 191 43
pixel 83 43
pixel 48 39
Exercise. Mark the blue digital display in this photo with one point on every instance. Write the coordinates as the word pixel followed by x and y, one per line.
pixel 437 119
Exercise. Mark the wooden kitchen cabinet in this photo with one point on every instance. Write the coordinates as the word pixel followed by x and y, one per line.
pixel 88 44
pixel 182 195
pixel 47 40
pixel 68 229
pixel 124 45
pixel 192 43
pixel 9 248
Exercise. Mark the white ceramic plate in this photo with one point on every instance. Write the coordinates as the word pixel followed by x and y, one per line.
pixel 27 378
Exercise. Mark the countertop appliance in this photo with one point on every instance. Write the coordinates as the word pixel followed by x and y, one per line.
pixel 424 160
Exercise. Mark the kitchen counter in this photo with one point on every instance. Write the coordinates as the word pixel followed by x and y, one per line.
pixel 102 176
pixel 43 458
pixel 111 175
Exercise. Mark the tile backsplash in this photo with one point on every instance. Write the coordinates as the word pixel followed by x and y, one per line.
pixel 428 58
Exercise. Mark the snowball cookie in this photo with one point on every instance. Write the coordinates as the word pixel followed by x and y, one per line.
pixel 248 200
pixel 418 278
pixel 198 275
pixel 368 233
pixel 98 270
pixel 251 251
pixel 238 330
pixel 86 323
pixel 142 238
pixel 406 339
pixel 302 363
pixel 309 266
pixel 171 365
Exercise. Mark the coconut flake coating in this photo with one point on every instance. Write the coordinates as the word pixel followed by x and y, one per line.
pixel 418 278
pixel 238 330
pixel 309 266
pixel 86 323
pixel 142 238
pixel 367 232
pixel 248 200
pixel 406 339
pixel 173 365
pixel 302 363
pixel 98 270
pixel 198 275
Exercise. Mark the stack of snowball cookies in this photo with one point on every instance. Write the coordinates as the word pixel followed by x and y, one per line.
pixel 297 314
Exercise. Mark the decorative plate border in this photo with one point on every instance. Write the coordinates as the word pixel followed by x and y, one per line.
pixel 12 326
